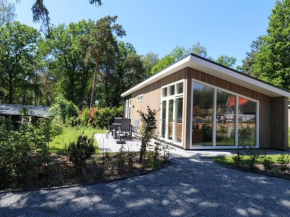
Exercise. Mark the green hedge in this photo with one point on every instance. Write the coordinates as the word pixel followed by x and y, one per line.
pixel 106 114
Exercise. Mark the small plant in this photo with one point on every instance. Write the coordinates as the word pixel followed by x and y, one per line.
pixel 121 160
pixel 283 161
pixel 165 150
pixel 81 150
pixel 254 156
pixel 267 162
pixel 147 131
pixel 130 161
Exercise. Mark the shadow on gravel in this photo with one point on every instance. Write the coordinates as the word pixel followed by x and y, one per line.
pixel 189 187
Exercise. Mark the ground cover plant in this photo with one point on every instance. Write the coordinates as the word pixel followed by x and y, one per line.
pixel 255 160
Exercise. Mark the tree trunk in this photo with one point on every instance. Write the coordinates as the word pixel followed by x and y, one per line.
pixel 95 79
pixel 10 92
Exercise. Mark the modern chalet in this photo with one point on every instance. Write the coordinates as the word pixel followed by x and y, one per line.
pixel 205 105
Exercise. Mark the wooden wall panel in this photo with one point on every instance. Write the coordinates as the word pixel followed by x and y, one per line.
pixel 152 94
pixel 279 122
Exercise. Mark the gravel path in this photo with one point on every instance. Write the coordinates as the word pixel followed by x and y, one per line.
pixel 189 187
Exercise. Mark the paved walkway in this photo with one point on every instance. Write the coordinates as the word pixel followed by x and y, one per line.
pixel 192 186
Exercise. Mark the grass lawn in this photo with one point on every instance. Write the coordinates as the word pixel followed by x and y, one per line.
pixel 228 160
pixel 69 134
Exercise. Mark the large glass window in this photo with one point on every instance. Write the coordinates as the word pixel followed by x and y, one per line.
pixel 225 119
pixel 163 120
pixel 172 112
pixel 247 122
pixel 222 119
pixel 202 120
pixel 170 120
pixel 179 116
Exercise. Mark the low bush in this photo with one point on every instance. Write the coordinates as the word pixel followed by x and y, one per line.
pixel 63 110
pixel 81 150
pixel 22 151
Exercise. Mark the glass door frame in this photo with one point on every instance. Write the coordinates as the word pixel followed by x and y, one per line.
pixel 167 99
pixel 214 146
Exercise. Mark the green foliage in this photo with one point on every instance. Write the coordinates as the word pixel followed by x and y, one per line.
pixel 121 160
pixel 175 55
pixel 148 61
pixel 41 13
pixel 106 115
pixel 62 110
pixel 283 160
pixel 66 60
pixel 254 156
pixel 7 12
pixel 268 165
pixel 101 45
pixel 180 52
pixel 237 158
pixel 226 60
pixel 23 150
pixel 81 150
pixel 147 130
pixel 272 62
pixel 250 60
pixel 18 59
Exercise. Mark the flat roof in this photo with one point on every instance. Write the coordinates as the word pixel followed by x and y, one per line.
pixel 216 70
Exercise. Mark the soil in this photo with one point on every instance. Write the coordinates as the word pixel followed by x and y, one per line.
pixel 60 171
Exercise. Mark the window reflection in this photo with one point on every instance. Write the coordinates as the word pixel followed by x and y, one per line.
pixel 202 121
pixel 247 122
pixel 225 119
pixel 179 113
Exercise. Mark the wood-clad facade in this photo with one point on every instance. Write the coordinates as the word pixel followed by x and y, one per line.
pixel 272 114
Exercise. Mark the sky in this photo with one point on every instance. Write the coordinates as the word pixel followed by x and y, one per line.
pixel 223 26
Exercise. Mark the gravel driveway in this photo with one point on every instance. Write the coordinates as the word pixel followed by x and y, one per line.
pixel 189 187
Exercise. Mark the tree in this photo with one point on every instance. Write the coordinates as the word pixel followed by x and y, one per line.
pixel 249 62
pixel 67 64
pixel 272 62
pixel 175 55
pixel 149 60
pixel 102 45
pixel 18 58
pixel 41 13
pixel 198 50
pixel 7 12
pixel 226 60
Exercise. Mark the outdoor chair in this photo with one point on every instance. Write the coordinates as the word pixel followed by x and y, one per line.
pixel 125 128
pixel 113 128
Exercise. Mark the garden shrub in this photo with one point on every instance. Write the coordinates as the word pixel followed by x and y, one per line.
pixel 85 118
pixel 254 156
pixel 81 150
pixel 63 109
pixel 283 160
pixel 22 151
pixel 147 130
pixel 106 115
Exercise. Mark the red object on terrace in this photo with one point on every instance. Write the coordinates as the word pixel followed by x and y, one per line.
pixel 232 101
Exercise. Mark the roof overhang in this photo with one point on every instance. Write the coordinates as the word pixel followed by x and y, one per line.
pixel 215 70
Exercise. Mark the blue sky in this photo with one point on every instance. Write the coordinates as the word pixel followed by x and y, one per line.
pixel 222 26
